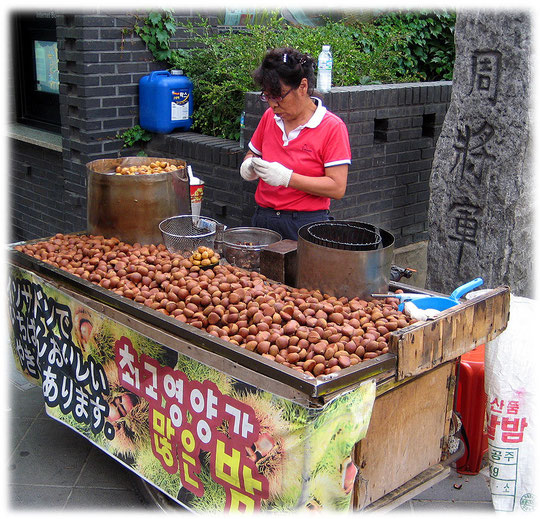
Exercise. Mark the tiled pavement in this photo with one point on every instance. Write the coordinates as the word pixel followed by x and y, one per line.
pixel 51 467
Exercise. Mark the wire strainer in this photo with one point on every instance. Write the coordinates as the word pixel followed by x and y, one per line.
pixel 183 234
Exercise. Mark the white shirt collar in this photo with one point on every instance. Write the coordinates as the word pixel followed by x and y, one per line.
pixel 313 122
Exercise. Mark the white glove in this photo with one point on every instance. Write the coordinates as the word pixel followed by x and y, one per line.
pixel 410 309
pixel 246 170
pixel 272 173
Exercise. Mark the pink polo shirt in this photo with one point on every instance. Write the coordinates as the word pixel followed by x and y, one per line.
pixel 322 142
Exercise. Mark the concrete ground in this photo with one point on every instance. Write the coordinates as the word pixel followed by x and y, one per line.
pixel 50 467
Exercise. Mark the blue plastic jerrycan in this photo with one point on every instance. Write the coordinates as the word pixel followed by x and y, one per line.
pixel 165 101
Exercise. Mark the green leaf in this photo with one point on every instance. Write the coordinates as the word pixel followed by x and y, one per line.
pixel 170 26
pixel 154 18
pixel 162 36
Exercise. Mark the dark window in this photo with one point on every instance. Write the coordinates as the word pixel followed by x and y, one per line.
pixel 35 56
pixel 428 125
pixel 380 131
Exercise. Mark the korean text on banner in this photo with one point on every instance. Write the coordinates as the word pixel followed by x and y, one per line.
pixel 510 385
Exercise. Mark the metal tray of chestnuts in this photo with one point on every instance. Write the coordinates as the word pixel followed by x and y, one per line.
pixel 251 366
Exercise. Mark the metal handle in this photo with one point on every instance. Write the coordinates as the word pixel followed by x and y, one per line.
pixel 402 297
pixel 467 287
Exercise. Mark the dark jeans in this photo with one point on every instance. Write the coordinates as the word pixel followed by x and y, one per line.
pixel 287 223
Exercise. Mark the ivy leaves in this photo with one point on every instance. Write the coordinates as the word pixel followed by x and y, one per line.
pixel 157 31
pixel 135 136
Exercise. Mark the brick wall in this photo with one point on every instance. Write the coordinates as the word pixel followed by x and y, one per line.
pixel 393 130
pixel 216 161
pixel 36 192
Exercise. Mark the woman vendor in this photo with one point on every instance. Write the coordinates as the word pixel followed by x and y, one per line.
pixel 300 152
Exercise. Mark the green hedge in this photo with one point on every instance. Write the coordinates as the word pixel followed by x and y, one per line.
pixel 429 50
pixel 389 48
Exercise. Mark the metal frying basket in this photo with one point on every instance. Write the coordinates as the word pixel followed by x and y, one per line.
pixel 185 233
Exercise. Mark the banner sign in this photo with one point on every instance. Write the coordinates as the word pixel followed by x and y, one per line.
pixel 204 438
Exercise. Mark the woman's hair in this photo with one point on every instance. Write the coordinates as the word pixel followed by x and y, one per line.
pixel 286 65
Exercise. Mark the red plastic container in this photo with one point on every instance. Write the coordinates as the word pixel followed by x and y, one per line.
pixel 471 405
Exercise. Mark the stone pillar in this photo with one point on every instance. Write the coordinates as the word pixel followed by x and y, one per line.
pixel 480 213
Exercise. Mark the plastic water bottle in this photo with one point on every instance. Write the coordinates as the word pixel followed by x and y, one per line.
pixel 324 73
pixel 242 128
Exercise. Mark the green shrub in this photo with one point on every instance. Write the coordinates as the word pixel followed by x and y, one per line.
pixel 135 136
pixel 220 66
pixel 430 50
pixel 390 48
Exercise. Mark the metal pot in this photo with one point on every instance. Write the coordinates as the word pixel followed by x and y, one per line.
pixel 130 207
pixel 345 259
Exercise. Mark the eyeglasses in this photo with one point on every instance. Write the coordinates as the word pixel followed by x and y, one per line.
pixel 278 99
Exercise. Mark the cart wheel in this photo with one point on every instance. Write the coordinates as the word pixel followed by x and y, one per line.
pixel 154 497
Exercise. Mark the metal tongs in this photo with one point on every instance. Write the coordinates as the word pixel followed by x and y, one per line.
pixel 402 297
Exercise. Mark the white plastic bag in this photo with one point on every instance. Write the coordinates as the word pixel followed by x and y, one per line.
pixel 510 383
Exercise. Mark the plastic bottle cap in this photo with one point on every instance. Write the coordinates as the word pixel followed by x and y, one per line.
pixel 177 72
pixel 326 47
